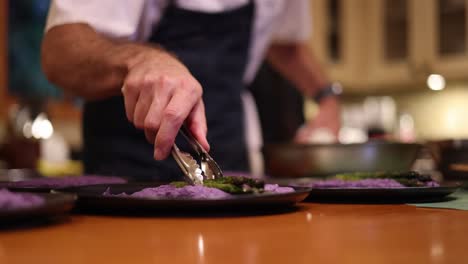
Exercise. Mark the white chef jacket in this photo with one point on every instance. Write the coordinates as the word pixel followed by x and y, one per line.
pixel 278 20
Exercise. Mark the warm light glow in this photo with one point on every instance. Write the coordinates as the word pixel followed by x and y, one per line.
pixel 436 82
pixel 349 135
pixel 309 217
pixel 407 128
pixel 27 129
pixel 41 127
pixel 437 250
pixel 201 246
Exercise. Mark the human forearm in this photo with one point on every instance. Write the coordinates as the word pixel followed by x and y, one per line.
pixel 160 93
pixel 85 63
pixel 297 64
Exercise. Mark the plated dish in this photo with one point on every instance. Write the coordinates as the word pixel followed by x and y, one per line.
pixel 16 206
pixel 161 197
pixel 44 184
pixel 377 187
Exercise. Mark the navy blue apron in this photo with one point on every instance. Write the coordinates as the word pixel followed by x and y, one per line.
pixel 214 47
pixel 279 104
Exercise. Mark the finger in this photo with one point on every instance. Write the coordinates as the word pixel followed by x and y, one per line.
pixel 130 98
pixel 143 104
pixel 131 91
pixel 150 135
pixel 196 122
pixel 154 116
pixel 174 115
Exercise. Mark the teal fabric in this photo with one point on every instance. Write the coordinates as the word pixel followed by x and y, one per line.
pixel 26 23
pixel 457 201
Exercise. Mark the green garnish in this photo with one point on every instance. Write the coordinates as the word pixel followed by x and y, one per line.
pixel 179 184
pixel 230 184
pixel 236 184
pixel 408 178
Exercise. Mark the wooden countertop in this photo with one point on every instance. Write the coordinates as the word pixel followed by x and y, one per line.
pixel 317 233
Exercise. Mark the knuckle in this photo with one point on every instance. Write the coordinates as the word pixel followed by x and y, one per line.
pixel 151 124
pixel 174 116
pixel 138 123
pixel 166 81
pixel 131 84
pixel 192 88
pixel 161 142
pixel 149 80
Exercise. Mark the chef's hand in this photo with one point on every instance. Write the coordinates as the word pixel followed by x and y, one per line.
pixel 160 95
pixel 327 119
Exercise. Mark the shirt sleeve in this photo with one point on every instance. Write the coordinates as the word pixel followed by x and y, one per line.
pixel 113 18
pixel 293 23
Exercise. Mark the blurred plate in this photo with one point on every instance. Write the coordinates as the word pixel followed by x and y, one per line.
pixel 91 197
pixel 14 175
pixel 383 195
pixel 54 204
pixel 46 184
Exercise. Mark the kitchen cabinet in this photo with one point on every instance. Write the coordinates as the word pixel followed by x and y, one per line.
pixel 397 46
pixel 387 45
pixel 336 38
pixel 448 37
pixel 410 39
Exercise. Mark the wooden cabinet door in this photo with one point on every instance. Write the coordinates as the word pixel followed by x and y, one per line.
pixel 396 55
pixel 337 37
pixel 448 37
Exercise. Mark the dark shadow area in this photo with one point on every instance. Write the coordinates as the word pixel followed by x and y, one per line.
pixel 378 201
pixel 190 213
pixel 30 223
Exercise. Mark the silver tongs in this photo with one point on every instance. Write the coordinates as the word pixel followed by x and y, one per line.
pixel 194 173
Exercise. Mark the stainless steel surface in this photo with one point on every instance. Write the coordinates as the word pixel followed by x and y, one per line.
pixel 189 166
pixel 210 168
pixel 295 161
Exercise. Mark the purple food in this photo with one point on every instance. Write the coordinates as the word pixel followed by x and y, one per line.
pixel 275 188
pixel 432 184
pixel 65 182
pixel 172 192
pixel 366 183
pixel 190 192
pixel 14 201
pixel 406 178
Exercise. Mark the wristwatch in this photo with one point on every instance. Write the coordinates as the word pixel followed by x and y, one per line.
pixel 332 89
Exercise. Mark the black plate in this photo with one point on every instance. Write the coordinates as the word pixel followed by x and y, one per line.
pixel 47 187
pixel 55 204
pixel 382 195
pixel 91 197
